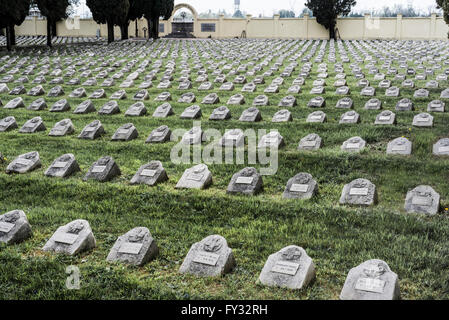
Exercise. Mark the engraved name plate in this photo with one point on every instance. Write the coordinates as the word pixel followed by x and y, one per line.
pixel 130 248
pixel 353 145
pixel 59 164
pixel 422 201
pixel 66 238
pixel 370 285
pixel 210 259
pixel 299 188
pixel 443 149
pixel 384 118
pixel 315 117
pixel 90 129
pixel 399 148
pixel 309 143
pixel 358 192
pixel 244 180
pixel 195 177
pixel 24 162
pixel 122 131
pixel 148 173
pixel 285 267
pixel 6 226
pixel 349 118
pixel 98 169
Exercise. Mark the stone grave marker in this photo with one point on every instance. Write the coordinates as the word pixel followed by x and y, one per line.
pixel 92 131
pixel 32 126
pixel 220 113
pixel 317 102
pixel 14 227
pixel 56 92
pixel 210 257
pixel 233 138
pixel 302 186
pixel 18 90
pixel 422 199
pixel 85 107
pixel 63 166
pixel 36 91
pixel 359 192
pixel 355 144
pixel 8 124
pixel 62 128
pixel 282 116
pixel 105 169
pixel 272 139
pixel 73 238
pixel 441 148
pixel 236 99
pixel 78 93
pixel 163 111
pixel 371 280
pixel 192 112
pixel 138 109
pixel 310 142
pixel 188 97
pixel 98 94
pixel 401 146
pixel 423 120
pixel 386 118
pixel 345 103
pixel 141 95
pixel 109 108
pixel 193 136
pixel 15 103
pixel 405 105
pixel 60 106
pixel 251 114
pixel 197 177
pixel 24 163
pixel 164 96
pixel 211 98
pixel 137 247
pixel 247 182
pixel 150 174
pixel 350 117
pixel 373 104
pixel 119 95
pixel 38 105
pixel 127 132
pixel 159 135
pixel 288 101
pixel 316 117
pixel 436 106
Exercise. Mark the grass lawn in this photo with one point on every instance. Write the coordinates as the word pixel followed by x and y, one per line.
pixel 336 237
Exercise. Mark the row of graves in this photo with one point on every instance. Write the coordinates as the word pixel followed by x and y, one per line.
pixel 291 267
pixel 360 192
pixel 24 41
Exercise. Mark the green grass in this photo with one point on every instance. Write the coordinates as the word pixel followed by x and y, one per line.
pixel 337 237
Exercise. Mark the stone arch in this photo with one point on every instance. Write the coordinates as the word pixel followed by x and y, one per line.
pixel 186 6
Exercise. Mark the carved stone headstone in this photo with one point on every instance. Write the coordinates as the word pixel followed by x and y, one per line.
pixel 282 116
pixel 355 144
pixel 193 136
pixel 359 192
pixel 373 104
pixel 441 148
pixel 38 105
pixel 211 98
pixel 310 142
pixel 15 103
pixel 78 93
pixel 73 238
pixel 92 131
pixel 14 227
pixel 372 280
pixel 105 169
pixel 56 92
pixel 247 181
pixel 109 108
pixel 136 247
pixel 7 124
pixel 163 111
pixel 233 138
pixel 272 139
pixel 422 199
pixel 220 113
pixel 126 132
pixel 159 135
pixel 251 115
pixel 60 106
pixel 150 174
pixel 401 146
pixel 209 258
pixel 188 97
pixel 197 177
pixel 317 102
pixel 350 117
pixel 302 186
pixel 62 128
pixel 34 125
pixel 63 166
pixel 85 107
pixel 290 268
pixel 236 99
pixel 423 120
pixel 24 163
pixel 316 117
pixel 345 103
pixel 436 106
pixel 386 118
pixel 405 105
pixel 261 100
pixel 192 112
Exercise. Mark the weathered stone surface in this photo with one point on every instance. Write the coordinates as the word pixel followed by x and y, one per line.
pixel 194 136
pixel 14 227
pixel 118 95
pixel 56 92
pixel 261 100
pixel 78 93
pixel 401 146
pixel 373 104
pixel 197 177
pixel 92 131
pixel 220 113
pixel 109 108
pixel 386 117
pixel 345 103
pixel 164 96
pixel 98 94
pixel 192 112
pixel 282 116
pixel 350 117
pixel 355 144
pixel 38 105
pixel 317 102
pixel 236 99
pixel 211 98
pixel 24 163
pixel 7 124
pixel 405 105
pixel 63 166
pixel 360 192
pixel 422 199
pixel 288 101
pixel 127 132
pixel 159 135
pixel 73 238
pixel 34 125
pixel 441 148
pixel 233 138
pixel 423 120
pixel 188 97
pixel 310 142
pixel 436 106
pixel 251 115
pixel 105 169
pixel 85 107
pixel 372 280
pixel 36 91
pixel 141 95
pixel 136 247
pixel 150 174
pixel 209 258
pixel 289 268
pixel 60 106
pixel 302 186
pixel 15 103
pixel 247 181
pixel 163 111
pixel 317 117
pixel 62 128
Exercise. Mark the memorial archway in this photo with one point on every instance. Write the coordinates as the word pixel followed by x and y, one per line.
pixel 183 26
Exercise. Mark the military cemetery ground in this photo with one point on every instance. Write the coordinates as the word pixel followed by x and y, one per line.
pixel 356 208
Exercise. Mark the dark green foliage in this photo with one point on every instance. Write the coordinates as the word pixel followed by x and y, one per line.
pixel 12 13
pixel 444 4
pixel 327 11
pixel 286 14
pixel 110 12
pixel 155 9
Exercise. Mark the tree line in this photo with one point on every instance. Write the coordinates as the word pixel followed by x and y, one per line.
pixel 111 12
